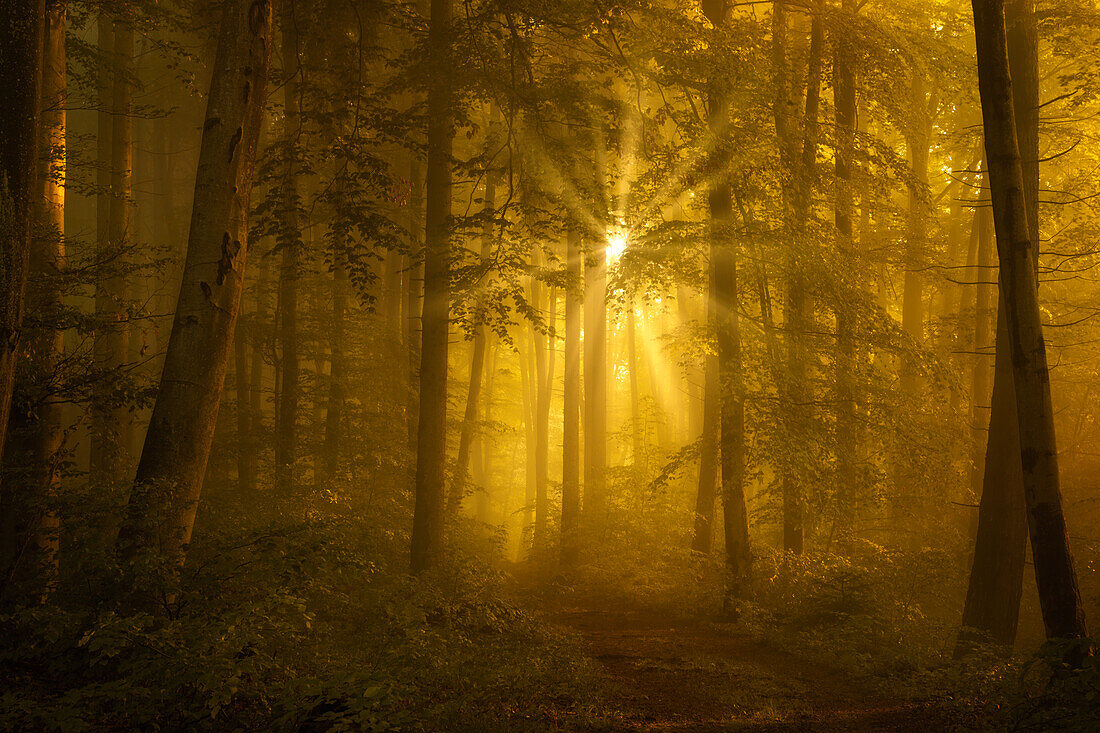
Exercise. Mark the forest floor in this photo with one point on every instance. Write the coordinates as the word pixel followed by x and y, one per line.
pixel 671 674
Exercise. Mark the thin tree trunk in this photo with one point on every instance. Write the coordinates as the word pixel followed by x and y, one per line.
pixel 571 427
pixel 161 511
pixel 428 516
pixel 636 435
pixel 286 430
pixel 1055 576
pixel 256 378
pixel 112 337
pixel 477 361
pixel 844 99
pixel 246 480
pixel 415 295
pixel 703 536
pixel 545 370
pixel 337 381
pixel 595 382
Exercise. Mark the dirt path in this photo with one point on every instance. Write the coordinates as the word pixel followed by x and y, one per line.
pixel 675 675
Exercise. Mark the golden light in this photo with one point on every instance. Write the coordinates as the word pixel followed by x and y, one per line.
pixel 616 245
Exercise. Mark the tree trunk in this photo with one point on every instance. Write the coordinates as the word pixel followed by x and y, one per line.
pixel 703 536
pixel 256 378
pixel 415 295
pixel 112 422
pixel 337 387
pixel 1000 547
pixel 428 517
pixel 40 449
pixel 286 431
pixel 161 511
pixel 246 480
pixel 545 371
pixel 798 305
pixel 844 101
pixel 731 388
pixel 1055 576
pixel 595 382
pixel 477 361
pixel 571 428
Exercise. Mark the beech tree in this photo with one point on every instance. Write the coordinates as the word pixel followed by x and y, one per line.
pixel 160 514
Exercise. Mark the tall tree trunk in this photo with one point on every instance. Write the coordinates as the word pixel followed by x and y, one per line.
pixel 246 480
pixel 798 306
pixel 21 24
pixel 256 378
pixel 337 388
pixel 703 536
pixel 112 422
pixel 477 360
pixel 428 517
pixel 161 511
pixel 415 293
pixel 286 431
pixel 1055 576
pixel 571 427
pixel 595 382
pixel 40 450
pixel 636 429
pixel 1000 546
pixel 545 371
pixel 731 389
pixel 844 101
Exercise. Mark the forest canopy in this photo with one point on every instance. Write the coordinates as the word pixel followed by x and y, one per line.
pixel 549 365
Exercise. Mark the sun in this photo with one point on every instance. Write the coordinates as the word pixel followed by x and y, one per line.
pixel 616 245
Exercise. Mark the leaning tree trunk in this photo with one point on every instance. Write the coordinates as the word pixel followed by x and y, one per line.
pixel 1000 547
pixel 161 511
pixel 1055 575
pixel 477 360
pixel 431 453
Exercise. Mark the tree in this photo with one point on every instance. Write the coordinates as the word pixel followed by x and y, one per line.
pixel 571 401
pixel 160 514
pixel 286 429
pixel 21 25
pixel 731 402
pixel 1055 576
pixel 431 452
pixel 1000 544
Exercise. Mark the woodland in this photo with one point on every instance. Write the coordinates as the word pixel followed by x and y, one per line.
pixel 695 365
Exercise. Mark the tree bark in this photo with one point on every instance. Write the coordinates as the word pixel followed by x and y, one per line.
pixel 161 511
pixel 415 295
pixel 112 421
pixel 844 101
pixel 477 360
pixel 1055 575
pixel 595 382
pixel 731 389
pixel 428 516
pixel 992 607
pixel 286 431
pixel 703 536
pixel 571 427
